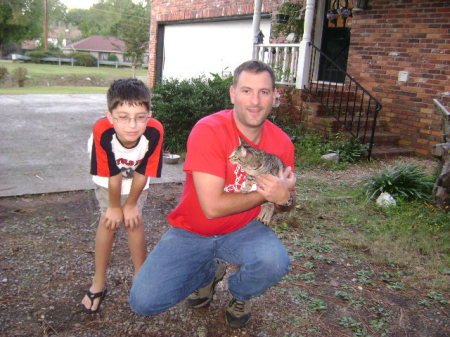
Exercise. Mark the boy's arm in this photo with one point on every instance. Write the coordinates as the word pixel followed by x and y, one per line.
pixel 114 215
pixel 132 216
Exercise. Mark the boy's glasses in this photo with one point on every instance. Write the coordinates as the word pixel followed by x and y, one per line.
pixel 127 120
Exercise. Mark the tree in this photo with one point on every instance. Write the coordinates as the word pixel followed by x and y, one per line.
pixel 134 29
pixel 102 17
pixel 75 16
pixel 17 21
pixel 23 19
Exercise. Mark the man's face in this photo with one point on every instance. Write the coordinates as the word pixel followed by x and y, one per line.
pixel 253 97
pixel 129 121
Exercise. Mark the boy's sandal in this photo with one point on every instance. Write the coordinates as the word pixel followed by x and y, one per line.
pixel 92 296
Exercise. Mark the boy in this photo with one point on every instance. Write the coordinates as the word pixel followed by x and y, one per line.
pixel 126 148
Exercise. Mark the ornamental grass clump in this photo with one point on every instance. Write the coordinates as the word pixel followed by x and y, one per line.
pixel 403 181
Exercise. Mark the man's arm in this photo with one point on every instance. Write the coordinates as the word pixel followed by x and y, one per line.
pixel 215 202
pixel 113 216
pixel 131 214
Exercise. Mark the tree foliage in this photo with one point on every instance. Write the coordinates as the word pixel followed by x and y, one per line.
pixel 23 19
pixel 17 20
pixel 133 28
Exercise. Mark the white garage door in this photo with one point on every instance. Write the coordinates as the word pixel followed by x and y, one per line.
pixel 195 49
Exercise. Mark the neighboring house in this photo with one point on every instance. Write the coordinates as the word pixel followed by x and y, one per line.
pixel 399 51
pixel 57 37
pixel 101 47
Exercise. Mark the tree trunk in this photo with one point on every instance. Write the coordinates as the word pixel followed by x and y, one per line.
pixel 441 190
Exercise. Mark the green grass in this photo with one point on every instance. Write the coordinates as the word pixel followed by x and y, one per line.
pixel 48 70
pixel 414 236
pixel 53 90
pixel 40 74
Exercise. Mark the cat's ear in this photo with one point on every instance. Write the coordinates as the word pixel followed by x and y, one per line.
pixel 242 141
pixel 243 151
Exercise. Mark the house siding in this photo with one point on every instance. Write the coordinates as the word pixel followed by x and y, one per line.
pixel 405 36
pixel 390 37
pixel 166 11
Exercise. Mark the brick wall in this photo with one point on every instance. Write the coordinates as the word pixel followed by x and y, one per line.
pixel 412 36
pixel 175 10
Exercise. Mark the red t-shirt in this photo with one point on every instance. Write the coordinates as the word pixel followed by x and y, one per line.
pixel 210 144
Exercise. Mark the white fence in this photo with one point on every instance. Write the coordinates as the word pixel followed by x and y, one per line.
pixel 282 57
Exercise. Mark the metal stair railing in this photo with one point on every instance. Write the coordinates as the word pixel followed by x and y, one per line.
pixel 354 108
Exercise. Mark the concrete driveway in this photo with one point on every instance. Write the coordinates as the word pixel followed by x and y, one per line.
pixel 43 143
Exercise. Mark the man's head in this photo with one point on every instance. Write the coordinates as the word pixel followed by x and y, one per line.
pixel 253 66
pixel 253 94
pixel 128 109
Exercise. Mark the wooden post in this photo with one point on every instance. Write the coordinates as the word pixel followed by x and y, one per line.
pixel 441 190
pixel 45 25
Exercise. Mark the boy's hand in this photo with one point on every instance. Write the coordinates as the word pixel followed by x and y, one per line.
pixel 276 189
pixel 113 217
pixel 132 216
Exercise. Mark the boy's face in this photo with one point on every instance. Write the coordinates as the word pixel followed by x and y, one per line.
pixel 129 121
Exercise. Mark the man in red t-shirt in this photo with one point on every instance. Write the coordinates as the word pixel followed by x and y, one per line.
pixel 213 222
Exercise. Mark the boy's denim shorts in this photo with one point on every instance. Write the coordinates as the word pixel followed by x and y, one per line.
pixel 102 196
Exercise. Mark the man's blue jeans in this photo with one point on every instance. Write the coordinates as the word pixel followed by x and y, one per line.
pixel 183 261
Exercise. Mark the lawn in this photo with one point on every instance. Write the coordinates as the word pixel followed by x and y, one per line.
pixel 64 79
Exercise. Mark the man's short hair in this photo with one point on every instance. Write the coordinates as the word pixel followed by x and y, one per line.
pixel 130 90
pixel 253 66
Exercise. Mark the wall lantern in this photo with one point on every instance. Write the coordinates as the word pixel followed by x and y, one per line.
pixel 359 5
pixel 260 37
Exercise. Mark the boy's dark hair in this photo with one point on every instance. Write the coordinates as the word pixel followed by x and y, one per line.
pixel 129 90
pixel 253 66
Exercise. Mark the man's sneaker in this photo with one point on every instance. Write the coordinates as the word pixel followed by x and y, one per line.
pixel 203 296
pixel 238 313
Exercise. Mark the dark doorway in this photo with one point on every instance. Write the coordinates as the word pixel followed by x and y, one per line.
pixel 335 45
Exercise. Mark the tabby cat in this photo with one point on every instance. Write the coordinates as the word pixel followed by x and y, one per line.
pixel 255 162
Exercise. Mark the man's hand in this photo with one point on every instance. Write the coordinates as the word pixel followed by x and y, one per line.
pixel 113 217
pixel 132 217
pixel 277 189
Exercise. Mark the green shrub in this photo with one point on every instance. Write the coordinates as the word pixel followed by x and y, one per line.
pixel 3 73
pixel 113 57
pixel 36 55
pixel 349 149
pixel 84 59
pixel 402 181
pixel 178 105
pixel 19 75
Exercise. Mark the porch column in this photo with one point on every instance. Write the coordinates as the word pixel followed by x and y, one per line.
pixel 304 59
pixel 256 23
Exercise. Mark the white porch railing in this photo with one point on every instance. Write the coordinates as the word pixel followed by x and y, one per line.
pixel 282 57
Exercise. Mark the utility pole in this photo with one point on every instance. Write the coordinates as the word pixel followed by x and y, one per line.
pixel 45 25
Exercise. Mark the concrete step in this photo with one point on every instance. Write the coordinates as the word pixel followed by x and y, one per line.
pixel 385 138
pixel 390 151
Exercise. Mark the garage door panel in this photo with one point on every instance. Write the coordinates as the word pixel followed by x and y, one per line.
pixel 195 49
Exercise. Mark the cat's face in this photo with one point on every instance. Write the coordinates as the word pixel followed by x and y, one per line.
pixel 242 155
pixel 253 97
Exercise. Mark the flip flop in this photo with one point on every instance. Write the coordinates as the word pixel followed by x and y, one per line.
pixel 92 296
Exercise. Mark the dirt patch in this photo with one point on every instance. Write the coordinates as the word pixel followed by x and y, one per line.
pixel 46 263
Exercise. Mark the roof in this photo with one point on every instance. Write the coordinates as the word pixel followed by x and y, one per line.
pixel 98 43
